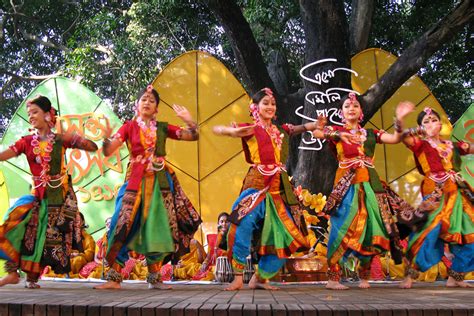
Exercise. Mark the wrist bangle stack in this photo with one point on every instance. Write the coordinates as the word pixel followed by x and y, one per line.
pixel 397 125
pixel 75 138
pixel 332 135
pixel 416 131
pixel 291 128
pixel 106 142
pixel 192 127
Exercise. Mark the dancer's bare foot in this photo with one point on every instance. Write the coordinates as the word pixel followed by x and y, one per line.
pixel 159 286
pixel 32 285
pixel 335 285
pixel 237 284
pixel 453 283
pixel 10 278
pixel 255 283
pixel 364 284
pixel 406 283
pixel 109 285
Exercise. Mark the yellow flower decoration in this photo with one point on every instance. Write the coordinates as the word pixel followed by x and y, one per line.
pixel 317 202
pixel 310 219
pixel 314 201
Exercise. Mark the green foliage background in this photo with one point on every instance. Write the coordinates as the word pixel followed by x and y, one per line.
pixel 117 47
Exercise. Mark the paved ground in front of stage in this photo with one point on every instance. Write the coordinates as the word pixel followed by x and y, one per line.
pixel 68 298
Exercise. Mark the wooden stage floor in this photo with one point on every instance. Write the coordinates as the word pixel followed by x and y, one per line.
pixel 78 298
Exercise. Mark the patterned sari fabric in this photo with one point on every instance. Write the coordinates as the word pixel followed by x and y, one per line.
pixel 451 212
pixel 150 201
pixel 362 208
pixel 267 215
pixel 43 228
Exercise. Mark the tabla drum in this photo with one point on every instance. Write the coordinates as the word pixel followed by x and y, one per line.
pixel 224 273
pixel 249 270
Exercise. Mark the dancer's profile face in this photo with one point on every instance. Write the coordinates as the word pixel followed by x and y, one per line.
pixel 36 116
pixel 147 106
pixel 432 125
pixel 267 108
pixel 351 111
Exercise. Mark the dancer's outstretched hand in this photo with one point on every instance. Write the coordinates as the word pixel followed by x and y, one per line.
pixel 403 109
pixel 242 131
pixel 108 129
pixel 183 113
pixel 234 131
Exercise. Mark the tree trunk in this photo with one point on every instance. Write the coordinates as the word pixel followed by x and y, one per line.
pixel 246 50
pixel 360 25
pixel 326 36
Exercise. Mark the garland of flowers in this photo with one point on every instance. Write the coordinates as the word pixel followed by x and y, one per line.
pixel 444 151
pixel 149 132
pixel 361 134
pixel 43 157
pixel 274 133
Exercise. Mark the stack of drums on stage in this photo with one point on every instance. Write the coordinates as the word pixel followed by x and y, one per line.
pixel 249 270
pixel 224 273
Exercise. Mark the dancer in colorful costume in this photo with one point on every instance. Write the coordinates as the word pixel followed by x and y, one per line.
pixel 446 197
pixel 267 205
pixel 42 229
pixel 151 199
pixel 360 207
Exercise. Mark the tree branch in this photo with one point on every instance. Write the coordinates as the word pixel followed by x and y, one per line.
pixel 416 55
pixel 38 40
pixel 249 57
pixel 2 21
pixel 163 18
pixel 360 24
pixel 28 78
pixel 278 70
pixel 27 36
pixel 5 87
pixel 106 51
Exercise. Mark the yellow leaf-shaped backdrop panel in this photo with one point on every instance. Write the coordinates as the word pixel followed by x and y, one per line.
pixel 210 170
pixel 395 163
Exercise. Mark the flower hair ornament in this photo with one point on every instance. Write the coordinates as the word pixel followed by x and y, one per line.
pixel 254 112
pixel 52 118
pixel 428 110
pixel 268 92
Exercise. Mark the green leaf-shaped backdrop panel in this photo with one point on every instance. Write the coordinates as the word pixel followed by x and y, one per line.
pixel 94 176
pixel 464 130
